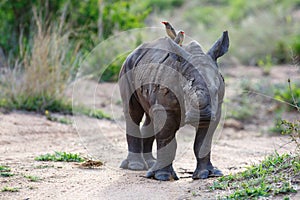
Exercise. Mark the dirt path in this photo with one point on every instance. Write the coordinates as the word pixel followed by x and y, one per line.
pixel 29 135
pixel 23 136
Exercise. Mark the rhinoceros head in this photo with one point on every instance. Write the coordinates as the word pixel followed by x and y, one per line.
pixel 203 84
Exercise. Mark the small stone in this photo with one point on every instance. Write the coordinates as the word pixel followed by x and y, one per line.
pixel 232 123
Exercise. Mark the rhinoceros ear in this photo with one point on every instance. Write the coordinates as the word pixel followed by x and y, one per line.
pixel 220 47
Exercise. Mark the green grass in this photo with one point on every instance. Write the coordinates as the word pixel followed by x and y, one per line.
pixel 9 189
pixel 43 166
pixel 94 113
pixel 6 174
pixel 4 168
pixel 32 178
pixel 289 93
pixel 5 171
pixel 60 157
pixel 62 120
pixel 47 106
pixel 275 175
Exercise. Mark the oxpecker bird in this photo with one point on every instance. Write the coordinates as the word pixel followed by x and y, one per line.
pixel 170 30
pixel 179 38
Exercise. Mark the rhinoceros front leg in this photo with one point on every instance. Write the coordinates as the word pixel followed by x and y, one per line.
pixel 202 149
pixel 133 116
pixel 166 148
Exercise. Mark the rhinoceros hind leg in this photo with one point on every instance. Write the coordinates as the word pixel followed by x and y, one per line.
pixel 147 132
pixel 164 174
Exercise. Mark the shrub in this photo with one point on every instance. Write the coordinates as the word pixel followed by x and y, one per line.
pixel 37 83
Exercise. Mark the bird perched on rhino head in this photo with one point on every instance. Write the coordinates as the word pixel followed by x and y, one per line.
pixel 170 30
pixel 179 38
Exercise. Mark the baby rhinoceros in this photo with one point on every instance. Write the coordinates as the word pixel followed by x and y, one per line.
pixel 171 86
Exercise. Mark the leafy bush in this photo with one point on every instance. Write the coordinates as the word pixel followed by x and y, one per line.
pixel 122 15
pixel 112 71
pixel 164 5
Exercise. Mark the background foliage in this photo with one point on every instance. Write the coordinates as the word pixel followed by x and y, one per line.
pixel 46 40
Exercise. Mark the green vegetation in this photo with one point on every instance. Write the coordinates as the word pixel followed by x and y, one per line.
pixel 244 110
pixel 42 45
pixel 5 171
pixel 265 64
pixel 95 113
pixel 164 5
pixel 250 24
pixel 43 166
pixel 112 71
pixel 9 189
pixel 6 174
pixel 293 130
pixel 62 120
pixel 273 176
pixel 32 178
pixel 289 93
pixel 4 168
pixel 60 157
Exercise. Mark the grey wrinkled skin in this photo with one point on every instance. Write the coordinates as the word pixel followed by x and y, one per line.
pixel 171 86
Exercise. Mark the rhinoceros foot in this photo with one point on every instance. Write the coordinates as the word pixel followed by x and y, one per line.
pixel 150 160
pixel 200 174
pixel 134 161
pixel 205 173
pixel 215 172
pixel 164 174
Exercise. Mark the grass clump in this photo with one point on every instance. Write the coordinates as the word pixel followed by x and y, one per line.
pixel 32 178
pixel 6 174
pixel 5 171
pixel 4 168
pixel 95 113
pixel 38 80
pixel 60 157
pixel 9 189
pixel 277 174
pixel 62 120
pixel 289 94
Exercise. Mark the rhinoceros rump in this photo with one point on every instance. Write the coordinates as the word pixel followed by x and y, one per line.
pixel 171 86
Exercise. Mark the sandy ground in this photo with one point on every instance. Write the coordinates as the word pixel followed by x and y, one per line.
pixel 23 136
